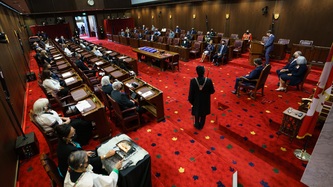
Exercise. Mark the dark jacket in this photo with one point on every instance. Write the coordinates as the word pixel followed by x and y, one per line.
pixel 297 74
pixel 107 89
pixel 200 100
pixel 122 99
pixel 255 74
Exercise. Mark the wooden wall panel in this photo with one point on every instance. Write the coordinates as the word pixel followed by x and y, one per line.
pixel 14 67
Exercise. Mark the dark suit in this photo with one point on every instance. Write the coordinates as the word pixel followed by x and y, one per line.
pixel 178 30
pixel 289 67
pixel 221 54
pixel 200 100
pixel 297 74
pixel 122 99
pixel 269 44
pixel 107 89
pixel 254 74
pixel 153 38
pixel 185 43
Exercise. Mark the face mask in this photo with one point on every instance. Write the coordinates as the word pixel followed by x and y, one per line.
pixel 247 32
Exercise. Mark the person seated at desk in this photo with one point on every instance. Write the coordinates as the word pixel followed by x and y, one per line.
pixel 254 74
pixel 171 34
pixel 135 30
pixel 48 119
pixel 66 50
pixel 207 37
pixel 153 38
pixel 96 51
pixel 80 172
pixel 52 86
pixel 212 33
pixel 189 35
pixel 295 75
pixel 140 35
pixel 178 30
pixel 122 32
pixel 153 28
pixel 82 66
pixel 157 32
pixel 209 49
pixel 289 67
pixel 146 32
pixel 247 36
pixel 61 40
pixel 185 43
pixel 193 31
pixel 120 97
pixel 221 54
pixel 106 85
pixel 55 76
pixel 128 35
pixel 45 57
pixel 67 144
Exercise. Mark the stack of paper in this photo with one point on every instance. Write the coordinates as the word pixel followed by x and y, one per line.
pixel 66 75
pixel 81 105
pixel 99 63
pixel 147 94
pixel 69 80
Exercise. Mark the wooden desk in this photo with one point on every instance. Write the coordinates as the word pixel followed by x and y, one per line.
pixel 68 73
pixel 143 43
pixel 119 74
pixel 292 120
pixel 124 40
pixel 111 68
pixel 152 100
pixel 128 84
pixel 116 38
pixel 81 93
pixel 96 112
pixel 64 66
pixel 132 64
pixel 184 53
pixel 305 49
pixel 73 81
pixel 279 51
pixel 157 56
pixel 134 42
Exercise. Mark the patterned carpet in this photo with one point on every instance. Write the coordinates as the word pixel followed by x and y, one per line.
pixel 183 156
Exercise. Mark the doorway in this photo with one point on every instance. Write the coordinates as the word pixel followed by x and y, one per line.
pixel 87 25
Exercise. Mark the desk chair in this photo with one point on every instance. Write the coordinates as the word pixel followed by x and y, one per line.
pixel 195 49
pixel 129 119
pixel 52 171
pixel 299 86
pixel 237 48
pixel 49 135
pixel 253 86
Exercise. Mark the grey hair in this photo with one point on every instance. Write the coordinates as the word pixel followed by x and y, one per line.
pixel 77 159
pixel 299 53
pixel 40 106
pixel 105 80
pixel 117 85
pixel 301 60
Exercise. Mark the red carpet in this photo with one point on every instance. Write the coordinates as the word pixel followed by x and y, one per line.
pixel 210 156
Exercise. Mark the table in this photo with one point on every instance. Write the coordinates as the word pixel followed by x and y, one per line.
pixel 80 93
pixel 120 74
pixel 256 51
pixel 157 56
pixel 136 175
pixel 292 120
pixel 73 81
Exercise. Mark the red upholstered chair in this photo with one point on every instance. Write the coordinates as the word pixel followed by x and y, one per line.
pixel 237 48
pixel 200 33
pixel 234 36
pixel 220 34
pixel 182 36
pixel 176 41
pixel 299 86
pixel 200 38
pixel 195 49
pixel 169 41
pixel 174 63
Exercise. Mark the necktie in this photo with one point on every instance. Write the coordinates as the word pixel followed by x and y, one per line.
pixel 221 49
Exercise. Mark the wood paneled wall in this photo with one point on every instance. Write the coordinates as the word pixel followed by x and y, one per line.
pixel 13 63
pixel 299 19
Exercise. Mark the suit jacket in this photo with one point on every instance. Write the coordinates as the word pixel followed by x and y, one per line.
pixel 122 99
pixel 185 43
pixel 153 38
pixel 107 89
pixel 224 50
pixel 255 74
pixel 200 100
pixel 270 41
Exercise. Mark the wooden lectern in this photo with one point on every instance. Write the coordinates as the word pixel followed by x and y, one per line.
pixel 256 51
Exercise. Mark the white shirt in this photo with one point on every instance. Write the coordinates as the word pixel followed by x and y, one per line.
pixel 51 85
pixel 98 53
pixel 91 179
pixel 68 52
pixel 46 119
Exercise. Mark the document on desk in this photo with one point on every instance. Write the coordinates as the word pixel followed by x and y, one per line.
pixel 69 80
pixel 99 63
pixel 135 157
pixel 108 52
pixel 81 105
pixel 67 74
pixel 57 58
pixel 147 94
pixel 57 55
pixel 122 57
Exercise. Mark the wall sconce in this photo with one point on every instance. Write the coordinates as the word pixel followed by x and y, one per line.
pixel 194 16
pixel 227 16
pixel 170 16
pixel 139 17
pixel 276 16
pixel 152 17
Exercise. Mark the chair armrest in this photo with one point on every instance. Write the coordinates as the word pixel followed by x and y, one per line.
pixel 129 109
pixel 246 79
